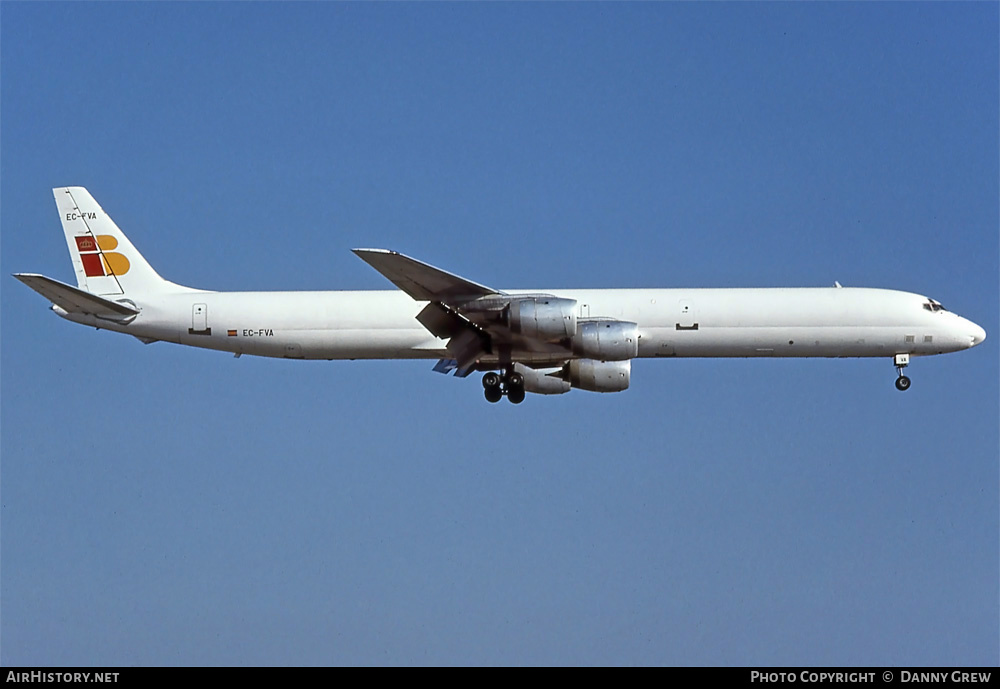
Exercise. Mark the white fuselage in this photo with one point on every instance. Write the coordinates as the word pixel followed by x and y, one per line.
pixel 773 322
pixel 540 341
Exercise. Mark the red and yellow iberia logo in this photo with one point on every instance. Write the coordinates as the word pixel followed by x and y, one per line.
pixel 98 256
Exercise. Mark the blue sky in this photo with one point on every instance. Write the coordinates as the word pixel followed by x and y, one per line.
pixel 162 505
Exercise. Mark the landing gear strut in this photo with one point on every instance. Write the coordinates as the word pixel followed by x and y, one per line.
pixel 510 383
pixel 901 361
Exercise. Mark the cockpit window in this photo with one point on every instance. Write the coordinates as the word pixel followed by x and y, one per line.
pixel 933 306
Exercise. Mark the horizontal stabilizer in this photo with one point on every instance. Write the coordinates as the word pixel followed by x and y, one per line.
pixel 421 281
pixel 73 300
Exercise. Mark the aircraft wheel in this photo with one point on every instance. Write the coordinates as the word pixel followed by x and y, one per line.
pixel 515 380
pixel 491 380
pixel 515 395
pixel 493 394
pixel 902 383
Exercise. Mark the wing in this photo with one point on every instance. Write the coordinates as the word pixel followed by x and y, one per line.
pixel 475 319
pixel 421 281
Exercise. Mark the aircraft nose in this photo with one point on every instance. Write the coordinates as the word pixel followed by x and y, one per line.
pixel 977 334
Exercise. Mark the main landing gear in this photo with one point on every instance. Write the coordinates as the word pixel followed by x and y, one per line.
pixel 510 383
pixel 901 361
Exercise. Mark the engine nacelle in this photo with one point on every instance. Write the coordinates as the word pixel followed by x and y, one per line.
pixel 598 376
pixel 542 318
pixel 606 340
pixel 541 384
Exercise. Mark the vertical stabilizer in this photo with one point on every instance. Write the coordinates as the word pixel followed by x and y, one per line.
pixel 104 259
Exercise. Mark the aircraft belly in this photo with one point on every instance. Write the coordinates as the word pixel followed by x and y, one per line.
pixel 811 341
pixel 401 343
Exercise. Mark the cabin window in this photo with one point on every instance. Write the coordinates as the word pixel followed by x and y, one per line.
pixel 928 338
pixel 908 338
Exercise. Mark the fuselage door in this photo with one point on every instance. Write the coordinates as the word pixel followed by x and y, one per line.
pixel 199 320
pixel 687 315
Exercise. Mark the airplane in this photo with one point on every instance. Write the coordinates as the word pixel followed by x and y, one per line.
pixel 538 341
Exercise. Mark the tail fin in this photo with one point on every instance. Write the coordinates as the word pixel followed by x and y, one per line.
pixel 104 259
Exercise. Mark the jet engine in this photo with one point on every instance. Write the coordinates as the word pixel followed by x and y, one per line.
pixel 540 382
pixel 606 340
pixel 598 376
pixel 543 318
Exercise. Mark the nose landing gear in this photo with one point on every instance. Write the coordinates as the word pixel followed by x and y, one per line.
pixel 510 383
pixel 901 361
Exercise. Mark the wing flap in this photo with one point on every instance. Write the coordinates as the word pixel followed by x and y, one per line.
pixel 73 300
pixel 466 341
